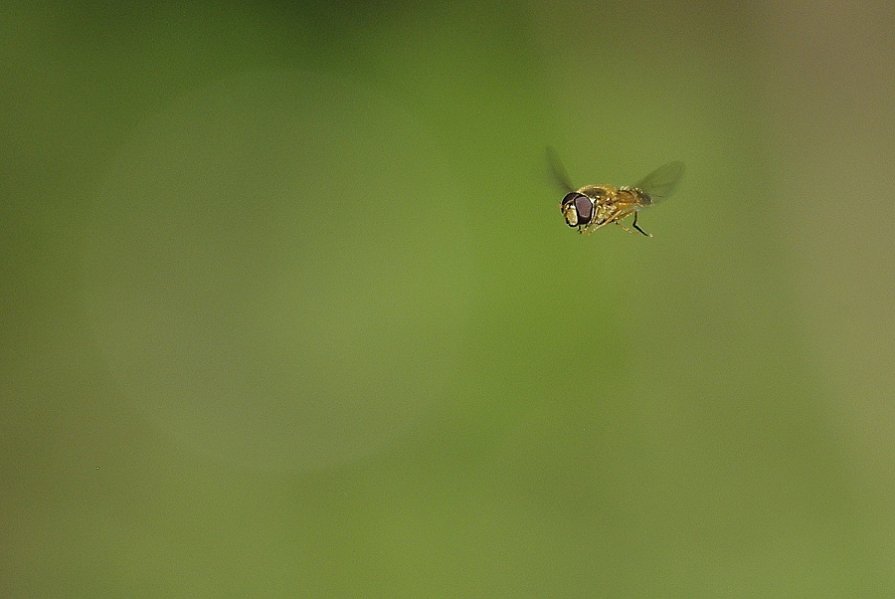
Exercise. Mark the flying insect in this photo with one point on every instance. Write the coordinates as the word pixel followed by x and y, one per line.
pixel 591 207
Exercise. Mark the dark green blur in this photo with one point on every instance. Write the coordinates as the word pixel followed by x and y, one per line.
pixel 289 308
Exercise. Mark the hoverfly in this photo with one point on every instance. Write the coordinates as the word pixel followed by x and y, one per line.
pixel 593 206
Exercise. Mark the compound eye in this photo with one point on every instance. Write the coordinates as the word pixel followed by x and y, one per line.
pixel 577 208
pixel 585 209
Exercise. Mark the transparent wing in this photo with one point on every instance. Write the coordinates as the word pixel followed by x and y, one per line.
pixel 558 170
pixel 662 182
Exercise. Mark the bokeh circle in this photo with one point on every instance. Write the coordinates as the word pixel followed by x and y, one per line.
pixel 276 270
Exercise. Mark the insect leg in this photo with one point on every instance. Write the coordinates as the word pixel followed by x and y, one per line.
pixel 634 224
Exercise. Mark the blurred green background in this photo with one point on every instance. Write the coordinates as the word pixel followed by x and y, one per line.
pixel 289 308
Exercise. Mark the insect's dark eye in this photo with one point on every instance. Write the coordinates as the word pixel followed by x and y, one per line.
pixel 585 209
pixel 577 208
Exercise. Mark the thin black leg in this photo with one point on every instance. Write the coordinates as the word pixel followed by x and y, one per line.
pixel 638 228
